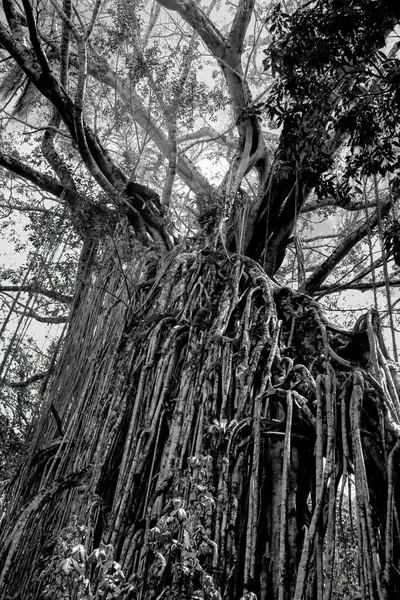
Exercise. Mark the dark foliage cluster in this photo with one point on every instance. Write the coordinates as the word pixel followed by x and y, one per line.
pixel 11 446
pixel 334 84
pixel 391 237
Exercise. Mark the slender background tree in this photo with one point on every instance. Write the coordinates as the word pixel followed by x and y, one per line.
pixel 199 186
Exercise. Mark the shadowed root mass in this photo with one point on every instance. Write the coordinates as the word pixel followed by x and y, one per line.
pixel 210 424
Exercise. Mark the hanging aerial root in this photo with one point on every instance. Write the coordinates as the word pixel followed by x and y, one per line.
pixel 284 500
pixel 373 569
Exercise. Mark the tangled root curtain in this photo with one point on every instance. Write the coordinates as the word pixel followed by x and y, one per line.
pixel 198 436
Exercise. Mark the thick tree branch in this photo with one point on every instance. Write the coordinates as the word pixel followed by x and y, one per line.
pixel 14 21
pixel 65 45
pixel 95 157
pixel 52 156
pixel 44 182
pixel 302 142
pixel 209 134
pixel 100 70
pixel 26 382
pixel 33 34
pixel 47 85
pixel 51 89
pixel 171 116
pixel 82 210
pixel 17 50
pixel 320 274
pixel 187 171
pixel 155 11
pixel 239 26
pixel 363 287
pixel 33 288
pixel 228 54
pixel 197 18
pixel 11 207
pixel 31 314
pixel 324 202
pixel 357 279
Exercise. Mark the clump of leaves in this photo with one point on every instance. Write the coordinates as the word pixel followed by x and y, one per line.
pixel 11 447
pixel 181 553
pixel 71 573
pixel 334 82
pixel 391 239
pixel 347 585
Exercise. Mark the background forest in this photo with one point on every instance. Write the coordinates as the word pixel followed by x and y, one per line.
pixel 199 299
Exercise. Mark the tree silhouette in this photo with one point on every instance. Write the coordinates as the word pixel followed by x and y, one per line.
pixel 201 419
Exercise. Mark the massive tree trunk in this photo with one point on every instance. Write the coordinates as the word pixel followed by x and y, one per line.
pixel 198 429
